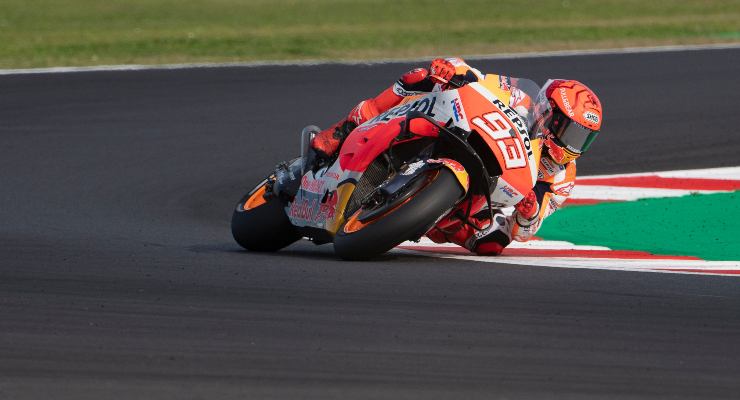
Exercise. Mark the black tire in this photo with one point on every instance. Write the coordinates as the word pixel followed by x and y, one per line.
pixel 263 228
pixel 408 221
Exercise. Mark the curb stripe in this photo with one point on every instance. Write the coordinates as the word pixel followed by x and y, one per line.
pixel 728 173
pixel 585 202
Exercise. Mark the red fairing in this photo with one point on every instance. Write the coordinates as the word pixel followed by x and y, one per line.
pixel 365 144
pixel 423 127
pixel 362 146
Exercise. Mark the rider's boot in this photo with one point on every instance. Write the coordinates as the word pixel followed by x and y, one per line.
pixel 327 142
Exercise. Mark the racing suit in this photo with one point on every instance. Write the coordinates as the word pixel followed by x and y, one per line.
pixel 476 232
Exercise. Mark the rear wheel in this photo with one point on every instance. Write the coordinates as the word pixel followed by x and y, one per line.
pixel 361 238
pixel 259 222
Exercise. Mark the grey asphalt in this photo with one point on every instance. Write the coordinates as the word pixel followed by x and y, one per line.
pixel 119 277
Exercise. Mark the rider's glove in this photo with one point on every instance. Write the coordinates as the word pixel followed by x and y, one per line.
pixel 441 71
pixel 527 209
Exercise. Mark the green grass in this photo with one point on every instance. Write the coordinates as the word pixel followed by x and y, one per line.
pixel 39 33
pixel 706 226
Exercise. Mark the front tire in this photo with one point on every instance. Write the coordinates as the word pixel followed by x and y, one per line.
pixel 259 222
pixel 409 220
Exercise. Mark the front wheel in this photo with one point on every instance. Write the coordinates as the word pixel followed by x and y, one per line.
pixel 361 240
pixel 259 222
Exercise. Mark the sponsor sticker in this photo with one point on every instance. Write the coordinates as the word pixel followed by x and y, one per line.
pixel 411 168
pixel 454 165
pixel 314 210
pixel 328 207
pixel 504 82
pixel 591 117
pixel 302 209
pixel 424 105
pixel 332 175
pixel 457 110
pixel 564 189
pixel 550 167
pixel 312 185
pixel 513 117
pixel 399 90
pixel 566 103
pixel 507 190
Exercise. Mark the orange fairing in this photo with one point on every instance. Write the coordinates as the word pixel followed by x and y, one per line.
pixel 256 199
pixel 503 130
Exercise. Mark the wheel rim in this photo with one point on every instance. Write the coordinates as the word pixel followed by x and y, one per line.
pixel 354 224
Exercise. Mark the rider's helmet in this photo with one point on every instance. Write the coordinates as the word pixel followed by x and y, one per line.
pixel 568 118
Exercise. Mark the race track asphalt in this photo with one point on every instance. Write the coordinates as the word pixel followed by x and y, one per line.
pixel 119 277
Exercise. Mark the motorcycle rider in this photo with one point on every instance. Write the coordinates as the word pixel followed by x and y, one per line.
pixel 568 117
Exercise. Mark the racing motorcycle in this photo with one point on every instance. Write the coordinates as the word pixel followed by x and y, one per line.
pixel 398 174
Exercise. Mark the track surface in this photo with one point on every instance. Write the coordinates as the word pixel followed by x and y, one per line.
pixel 119 278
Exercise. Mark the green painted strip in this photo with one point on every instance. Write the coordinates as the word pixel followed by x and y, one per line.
pixel 705 226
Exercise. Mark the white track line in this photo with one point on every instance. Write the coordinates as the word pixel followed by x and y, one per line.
pixel 664 266
pixel 726 173
pixel 532 244
pixel 619 193
pixel 308 63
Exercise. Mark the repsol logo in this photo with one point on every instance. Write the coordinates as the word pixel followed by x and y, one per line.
pixel 527 145
pixel 425 105
pixel 515 118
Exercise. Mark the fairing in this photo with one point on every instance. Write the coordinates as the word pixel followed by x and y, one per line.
pixel 483 108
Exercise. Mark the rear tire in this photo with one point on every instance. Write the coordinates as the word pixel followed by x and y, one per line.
pixel 408 221
pixel 265 227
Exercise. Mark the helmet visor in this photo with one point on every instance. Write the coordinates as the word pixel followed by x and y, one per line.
pixel 571 134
